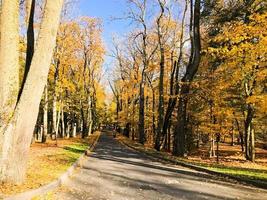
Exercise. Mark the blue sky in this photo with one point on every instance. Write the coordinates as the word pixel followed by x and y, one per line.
pixel 107 10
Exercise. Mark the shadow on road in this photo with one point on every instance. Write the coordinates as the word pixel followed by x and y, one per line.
pixel 121 162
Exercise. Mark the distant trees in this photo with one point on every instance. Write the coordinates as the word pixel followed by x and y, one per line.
pixel 74 80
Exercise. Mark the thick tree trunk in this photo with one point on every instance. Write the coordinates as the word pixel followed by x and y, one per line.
pixel 9 62
pixel 179 146
pixel 13 157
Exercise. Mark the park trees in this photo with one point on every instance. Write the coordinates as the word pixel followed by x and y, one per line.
pixel 205 79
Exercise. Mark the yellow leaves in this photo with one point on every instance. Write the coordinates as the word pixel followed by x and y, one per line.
pixel 260 102
pixel 235 56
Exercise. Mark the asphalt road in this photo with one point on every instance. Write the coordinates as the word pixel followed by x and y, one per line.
pixel 114 172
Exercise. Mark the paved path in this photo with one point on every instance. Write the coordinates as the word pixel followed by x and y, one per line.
pixel 116 173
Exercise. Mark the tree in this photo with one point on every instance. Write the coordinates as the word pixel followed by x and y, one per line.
pixel 18 132
pixel 191 69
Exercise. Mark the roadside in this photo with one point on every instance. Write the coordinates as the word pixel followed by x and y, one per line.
pixel 116 172
pixel 253 174
pixel 48 161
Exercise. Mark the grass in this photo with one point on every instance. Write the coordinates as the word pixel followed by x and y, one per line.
pixel 48 161
pixel 258 175
pixel 229 164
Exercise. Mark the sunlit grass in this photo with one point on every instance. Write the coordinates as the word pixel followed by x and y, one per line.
pixel 243 173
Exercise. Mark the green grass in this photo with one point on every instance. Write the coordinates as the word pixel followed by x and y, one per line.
pixel 251 174
pixel 71 153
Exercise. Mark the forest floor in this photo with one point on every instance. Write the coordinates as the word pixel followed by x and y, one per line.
pixel 48 161
pixel 231 159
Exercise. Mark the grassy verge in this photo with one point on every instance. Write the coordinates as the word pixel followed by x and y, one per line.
pixel 48 161
pixel 246 170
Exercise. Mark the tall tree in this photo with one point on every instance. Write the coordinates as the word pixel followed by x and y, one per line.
pixel 18 133
pixel 162 5
pixel 179 146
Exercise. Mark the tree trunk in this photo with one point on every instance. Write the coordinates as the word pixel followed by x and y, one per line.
pixel 232 136
pixel 142 137
pixel 68 130
pixel 45 115
pixel 62 121
pixel 84 124
pixel 161 79
pixel 74 130
pixel 9 62
pixel 153 116
pixel 252 145
pixel 212 146
pixel 249 135
pixel 55 97
pixel 13 155
pixel 240 135
pixel 133 122
pixel 179 146
pixel 57 123
pixel 90 116
pixel 54 114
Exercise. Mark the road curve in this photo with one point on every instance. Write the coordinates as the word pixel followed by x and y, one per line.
pixel 114 172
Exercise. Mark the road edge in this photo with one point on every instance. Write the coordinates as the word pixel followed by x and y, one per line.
pixel 58 182
pixel 198 168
